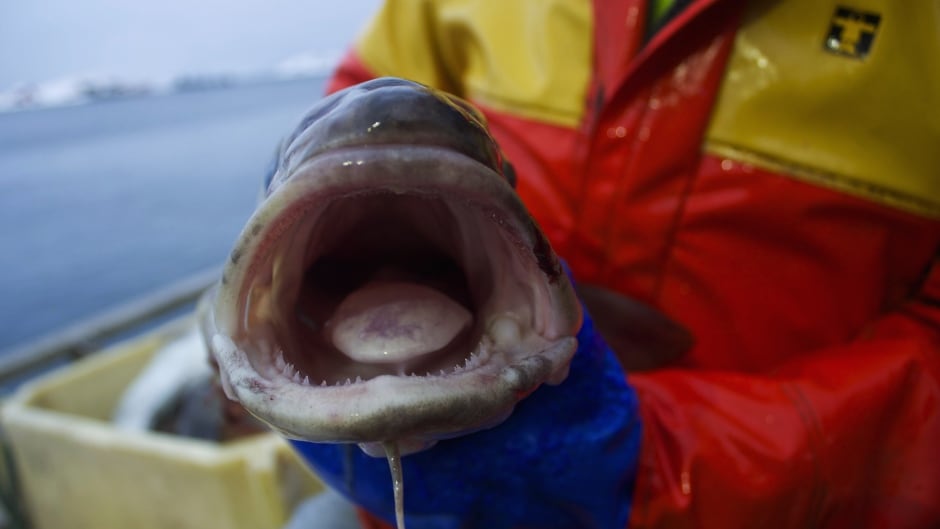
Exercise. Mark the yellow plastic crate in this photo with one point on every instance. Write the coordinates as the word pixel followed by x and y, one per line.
pixel 77 471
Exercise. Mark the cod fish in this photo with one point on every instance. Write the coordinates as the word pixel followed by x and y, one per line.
pixel 391 289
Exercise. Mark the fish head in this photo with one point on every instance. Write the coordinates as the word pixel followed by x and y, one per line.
pixel 390 285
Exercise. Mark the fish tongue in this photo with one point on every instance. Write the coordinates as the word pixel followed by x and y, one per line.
pixel 393 322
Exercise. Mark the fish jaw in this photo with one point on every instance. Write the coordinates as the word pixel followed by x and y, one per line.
pixel 348 218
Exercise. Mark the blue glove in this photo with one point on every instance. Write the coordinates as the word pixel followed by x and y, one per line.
pixel 565 458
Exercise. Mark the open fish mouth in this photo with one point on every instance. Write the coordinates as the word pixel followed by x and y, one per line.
pixel 388 291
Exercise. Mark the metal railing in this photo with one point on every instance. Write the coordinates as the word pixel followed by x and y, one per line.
pixel 89 335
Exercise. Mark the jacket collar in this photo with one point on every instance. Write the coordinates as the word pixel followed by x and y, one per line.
pixel 620 62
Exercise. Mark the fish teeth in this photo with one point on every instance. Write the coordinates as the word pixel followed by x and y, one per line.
pixel 323 383
pixel 306 380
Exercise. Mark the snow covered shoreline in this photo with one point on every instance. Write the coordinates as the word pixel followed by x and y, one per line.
pixel 89 88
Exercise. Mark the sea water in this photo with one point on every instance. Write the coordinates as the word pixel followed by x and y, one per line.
pixel 108 201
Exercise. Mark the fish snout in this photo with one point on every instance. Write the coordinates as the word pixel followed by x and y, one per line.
pixel 389 111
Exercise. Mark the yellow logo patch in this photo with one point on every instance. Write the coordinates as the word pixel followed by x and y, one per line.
pixel 851 32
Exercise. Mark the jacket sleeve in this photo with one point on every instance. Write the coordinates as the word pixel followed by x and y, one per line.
pixel 844 437
pixel 402 40
pixel 410 39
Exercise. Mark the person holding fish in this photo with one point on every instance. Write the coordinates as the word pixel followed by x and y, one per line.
pixel 744 195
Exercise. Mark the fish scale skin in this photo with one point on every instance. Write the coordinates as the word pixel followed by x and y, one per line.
pixel 386 111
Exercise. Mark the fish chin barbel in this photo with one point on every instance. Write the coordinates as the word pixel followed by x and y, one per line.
pixel 391 285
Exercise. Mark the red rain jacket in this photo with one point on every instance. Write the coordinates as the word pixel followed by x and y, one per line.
pixel 767 175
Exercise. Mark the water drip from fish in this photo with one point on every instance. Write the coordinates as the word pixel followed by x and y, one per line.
pixel 392 453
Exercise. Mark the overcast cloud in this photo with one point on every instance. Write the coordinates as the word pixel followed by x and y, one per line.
pixel 41 40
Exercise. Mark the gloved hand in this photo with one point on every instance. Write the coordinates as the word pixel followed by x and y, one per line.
pixel 565 458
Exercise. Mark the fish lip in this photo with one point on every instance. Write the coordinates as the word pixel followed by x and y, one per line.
pixel 388 407
pixel 392 407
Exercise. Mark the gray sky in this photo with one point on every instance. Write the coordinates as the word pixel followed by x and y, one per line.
pixel 42 40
